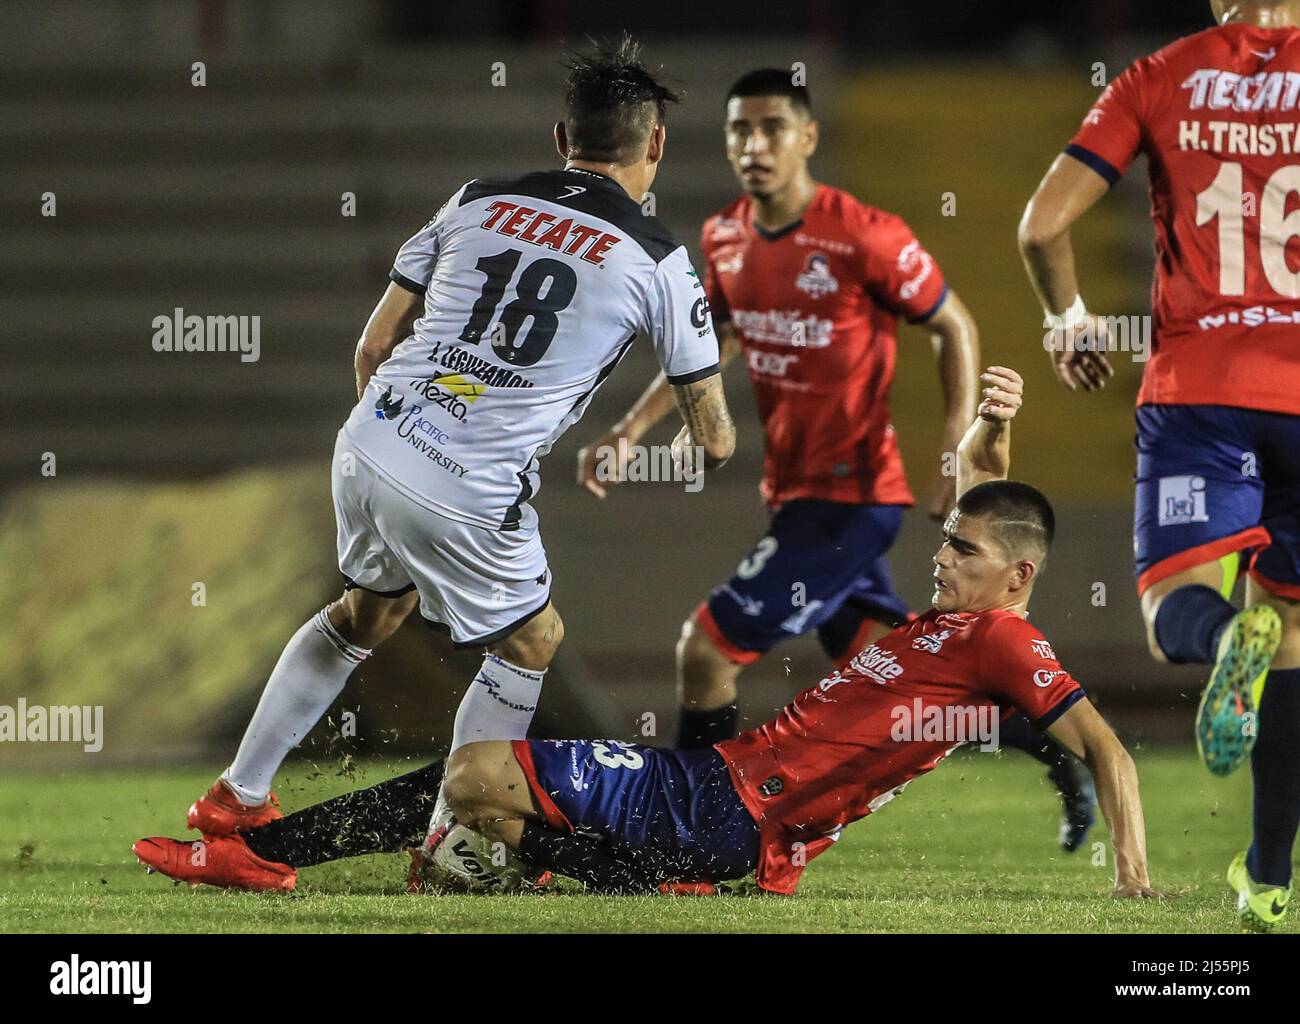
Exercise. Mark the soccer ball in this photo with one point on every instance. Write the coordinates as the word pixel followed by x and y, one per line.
pixel 456 859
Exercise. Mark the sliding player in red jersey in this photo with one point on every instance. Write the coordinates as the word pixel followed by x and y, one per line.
pixel 1218 418
pixel 809 282
pixel 622 817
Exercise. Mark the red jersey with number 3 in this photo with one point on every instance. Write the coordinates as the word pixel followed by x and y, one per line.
pixel 849 745
pixel 1218 116
pixel 816 309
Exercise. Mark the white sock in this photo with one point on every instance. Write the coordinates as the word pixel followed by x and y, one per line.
pixel 311 672
pixel 499 703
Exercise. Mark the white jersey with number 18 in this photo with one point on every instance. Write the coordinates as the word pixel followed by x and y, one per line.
pixel 534 289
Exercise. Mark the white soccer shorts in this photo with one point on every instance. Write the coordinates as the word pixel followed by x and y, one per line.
pixel 479 584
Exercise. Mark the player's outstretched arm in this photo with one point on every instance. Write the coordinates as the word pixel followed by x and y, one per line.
pixel 1085 734
pixel 957 348
pixel 1065 194
pixel 656 402
pixel 390 322
pixel 984 452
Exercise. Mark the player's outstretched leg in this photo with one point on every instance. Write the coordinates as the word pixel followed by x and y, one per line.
pixel 310 674
pixel 383 818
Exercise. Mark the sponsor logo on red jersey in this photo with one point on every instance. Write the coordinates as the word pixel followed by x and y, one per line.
pixel 816 278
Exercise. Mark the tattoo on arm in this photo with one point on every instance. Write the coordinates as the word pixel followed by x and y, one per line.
pixel 704 409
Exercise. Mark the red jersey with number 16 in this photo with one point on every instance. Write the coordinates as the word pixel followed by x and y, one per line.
pixel 816 309
pixel 851 743
pixel 1218 116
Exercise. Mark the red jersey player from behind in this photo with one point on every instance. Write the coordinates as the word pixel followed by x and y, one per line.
pixel 809 284
pixel 1218 418
pixel 621 817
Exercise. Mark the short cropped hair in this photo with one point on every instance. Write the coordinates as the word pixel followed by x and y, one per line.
pixel 1021 517
pixel 772 82
pixel 612 102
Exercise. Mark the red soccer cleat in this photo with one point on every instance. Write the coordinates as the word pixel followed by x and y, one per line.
pixel 219 812
pixel 222 860
pixel 688 889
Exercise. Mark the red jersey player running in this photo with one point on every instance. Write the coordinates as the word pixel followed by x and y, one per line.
pixel 1218 418
pixel 809 283
pixel 621 817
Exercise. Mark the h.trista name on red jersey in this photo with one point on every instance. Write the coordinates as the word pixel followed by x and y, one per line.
pixel 1237 139
pixel 568 235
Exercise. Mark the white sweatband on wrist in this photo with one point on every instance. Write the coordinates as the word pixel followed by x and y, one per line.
pixel 1072 317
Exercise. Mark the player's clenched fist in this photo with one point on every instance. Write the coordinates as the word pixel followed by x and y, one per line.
pixel 1003 394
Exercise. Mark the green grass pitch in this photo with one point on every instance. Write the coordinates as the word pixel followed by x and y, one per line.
pixel 969 848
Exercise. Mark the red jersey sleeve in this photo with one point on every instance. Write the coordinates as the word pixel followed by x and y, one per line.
pixel 712 287
pixel 1018 664
pixel 898 273
pixel 1111 133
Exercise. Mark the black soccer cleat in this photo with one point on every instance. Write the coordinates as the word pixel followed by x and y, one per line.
pixel 1079 802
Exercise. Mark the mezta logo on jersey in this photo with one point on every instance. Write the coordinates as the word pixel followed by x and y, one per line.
pixel 194 333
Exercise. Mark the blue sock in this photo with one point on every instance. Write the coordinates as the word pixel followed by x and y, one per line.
pixel 1189 623
pixel 1275 764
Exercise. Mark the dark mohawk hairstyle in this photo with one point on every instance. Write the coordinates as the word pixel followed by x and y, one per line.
pixel 612 102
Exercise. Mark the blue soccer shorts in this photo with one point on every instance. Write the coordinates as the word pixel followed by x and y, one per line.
pixel 1214 481
pixel 820 566
pixel 676 811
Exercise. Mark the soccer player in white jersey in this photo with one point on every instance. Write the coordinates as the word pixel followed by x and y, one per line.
pixel 505 313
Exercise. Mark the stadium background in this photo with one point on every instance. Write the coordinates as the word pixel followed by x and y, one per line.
pixel 176 469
